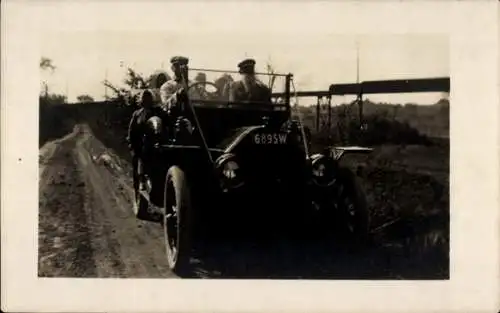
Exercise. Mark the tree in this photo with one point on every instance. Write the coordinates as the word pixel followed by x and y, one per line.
pixel 121 94
pixel 46 64
pixel 46 98
pixel 271 72
pixel 85 98
pixel 51 99
pixel 134 80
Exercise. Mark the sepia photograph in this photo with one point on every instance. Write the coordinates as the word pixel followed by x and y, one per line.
pixel 221 156
pixel 237 156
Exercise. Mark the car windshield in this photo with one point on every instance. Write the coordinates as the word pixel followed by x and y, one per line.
pixel 214 86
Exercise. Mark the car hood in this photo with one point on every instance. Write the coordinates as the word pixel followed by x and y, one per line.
pixel 234 136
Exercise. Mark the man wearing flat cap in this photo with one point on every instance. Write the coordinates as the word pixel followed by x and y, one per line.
pixel 249 88
pixel 179 67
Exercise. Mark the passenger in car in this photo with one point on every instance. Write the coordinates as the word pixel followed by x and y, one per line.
pixel 198 92
pixel 179 67
pixel 249 88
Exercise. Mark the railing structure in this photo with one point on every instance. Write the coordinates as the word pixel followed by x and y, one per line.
pixel 440 84
pixel 324 115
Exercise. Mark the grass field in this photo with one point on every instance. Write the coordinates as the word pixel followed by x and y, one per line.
pixel 407 188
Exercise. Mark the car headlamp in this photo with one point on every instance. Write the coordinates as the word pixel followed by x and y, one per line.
pixel 322 170
pixel 230 171
pixel 155 131
pixel 155 124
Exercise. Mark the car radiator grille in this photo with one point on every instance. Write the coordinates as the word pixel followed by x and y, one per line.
pixel 273 164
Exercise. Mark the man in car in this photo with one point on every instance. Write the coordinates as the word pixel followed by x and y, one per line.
pixel 179 67
pixel 199 92
pixel 137 130
pixel 249 88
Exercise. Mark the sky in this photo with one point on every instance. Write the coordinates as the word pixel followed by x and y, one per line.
pixel 84 58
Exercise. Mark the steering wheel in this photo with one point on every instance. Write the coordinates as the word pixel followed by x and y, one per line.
pixel 212 95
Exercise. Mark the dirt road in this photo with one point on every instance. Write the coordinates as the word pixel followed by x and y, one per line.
pixel 86 223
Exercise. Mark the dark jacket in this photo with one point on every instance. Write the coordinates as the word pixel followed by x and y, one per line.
pixel 137 123
pixel 258 92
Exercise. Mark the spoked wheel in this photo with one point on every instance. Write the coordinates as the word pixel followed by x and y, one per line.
pixel 351 210
pixel 177 221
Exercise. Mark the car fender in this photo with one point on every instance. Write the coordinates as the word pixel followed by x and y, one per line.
pixel 338 152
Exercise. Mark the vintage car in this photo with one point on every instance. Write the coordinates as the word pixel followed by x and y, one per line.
pixel 219 168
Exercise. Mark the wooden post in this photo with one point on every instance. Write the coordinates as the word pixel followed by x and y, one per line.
pixel 360 108
pixel 287 89
pixel 318 109
pixel 329 105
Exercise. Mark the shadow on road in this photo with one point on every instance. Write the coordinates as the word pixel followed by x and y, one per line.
pixel 286 259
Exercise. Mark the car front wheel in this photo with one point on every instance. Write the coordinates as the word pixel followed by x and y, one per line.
pixel 177 220
pixel 342 210
pixel 351 209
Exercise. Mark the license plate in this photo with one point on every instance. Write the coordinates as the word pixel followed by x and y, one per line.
pixel 270 138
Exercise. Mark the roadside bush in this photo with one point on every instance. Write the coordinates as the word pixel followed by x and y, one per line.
pixel 378 130
pixel 109 123
pixel 56 118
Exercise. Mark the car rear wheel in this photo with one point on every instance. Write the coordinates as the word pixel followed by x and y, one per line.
pixel 177 220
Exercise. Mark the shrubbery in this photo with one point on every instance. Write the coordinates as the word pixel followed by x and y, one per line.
pixel 379 130
pixel 109 122
pixel 56 118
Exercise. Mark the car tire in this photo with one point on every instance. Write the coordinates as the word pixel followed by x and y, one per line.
pixel 353 218
pixel 177 221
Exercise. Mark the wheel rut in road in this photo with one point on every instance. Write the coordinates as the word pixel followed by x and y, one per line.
pixel 86 223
